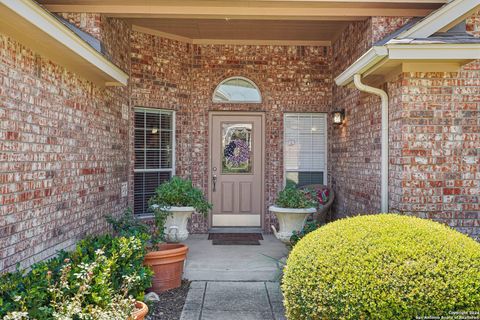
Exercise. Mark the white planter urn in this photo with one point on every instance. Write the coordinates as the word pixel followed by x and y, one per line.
pixel 176 223
pixel 289 220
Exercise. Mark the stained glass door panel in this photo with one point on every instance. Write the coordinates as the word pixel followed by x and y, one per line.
pixel 237 148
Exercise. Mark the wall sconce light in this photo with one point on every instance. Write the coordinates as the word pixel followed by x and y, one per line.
pixel 338 117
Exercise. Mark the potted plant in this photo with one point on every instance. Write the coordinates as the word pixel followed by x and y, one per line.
pixel 173 204
pixel 292 208
pixel 141 311
pixel 164 259
pixel 325 197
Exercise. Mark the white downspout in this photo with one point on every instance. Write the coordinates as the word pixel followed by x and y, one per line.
pixel 357 80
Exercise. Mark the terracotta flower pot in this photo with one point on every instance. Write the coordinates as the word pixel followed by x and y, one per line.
pixel 167 265
pixel 140 312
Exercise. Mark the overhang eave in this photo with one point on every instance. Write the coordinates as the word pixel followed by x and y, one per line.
pixel 31 25
pixel 387 62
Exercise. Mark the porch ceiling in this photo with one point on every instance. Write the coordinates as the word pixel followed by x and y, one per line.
pixel 203 30
pixel 249 9
pixel 241 21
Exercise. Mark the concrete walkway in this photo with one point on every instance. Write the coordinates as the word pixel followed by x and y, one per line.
pixel 233 263
pixel 233 282
pixel 226 300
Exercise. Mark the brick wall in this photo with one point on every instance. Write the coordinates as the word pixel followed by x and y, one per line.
pixel 173 75
pixel 355 146
pixel 291 79
pixel 473 24
pixel 436 163
pixel 435 160
pixel 434 138
pixel 63 150
pixel 160 78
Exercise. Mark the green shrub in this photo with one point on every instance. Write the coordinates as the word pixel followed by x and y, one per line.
pixel 128 253
pixel 178 192
pixel 117 272
pixel 291 197
pixel 23 290
pixel 382 266
pixel 127 225
pixel 309 226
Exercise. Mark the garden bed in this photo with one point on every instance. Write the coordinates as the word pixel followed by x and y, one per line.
pixel 170 305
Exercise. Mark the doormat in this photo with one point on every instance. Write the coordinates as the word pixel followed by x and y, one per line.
pixel 245 239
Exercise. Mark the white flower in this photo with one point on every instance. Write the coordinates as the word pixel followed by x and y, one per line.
pixel 16 315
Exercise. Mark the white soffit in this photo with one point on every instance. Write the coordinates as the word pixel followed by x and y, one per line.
pixel 398 51
pixel 375 59
pixel 444 52
pixel 28 23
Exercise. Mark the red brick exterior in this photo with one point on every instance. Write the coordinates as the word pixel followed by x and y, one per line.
pixel 63 151
pixel 434 138
pixel 355 146
pixel 173 75
pixel 66 148
pixel 435 160
pixel 435 163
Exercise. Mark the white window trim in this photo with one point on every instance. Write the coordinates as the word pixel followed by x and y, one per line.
pixel 237 102
pixel 325 175
pixel 174 144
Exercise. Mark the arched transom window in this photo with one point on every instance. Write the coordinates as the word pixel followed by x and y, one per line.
pixel 237 90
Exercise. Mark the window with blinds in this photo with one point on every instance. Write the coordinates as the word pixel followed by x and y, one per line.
pixel 154 153
pixel 305 148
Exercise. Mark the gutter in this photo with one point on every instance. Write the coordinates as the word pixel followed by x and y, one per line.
pixel 369 59
pixel 357 80
pixel 411 45
pixel 409 50
pixel 354 72
pixel 400 52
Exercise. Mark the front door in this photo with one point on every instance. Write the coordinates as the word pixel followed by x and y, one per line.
pixel 236 165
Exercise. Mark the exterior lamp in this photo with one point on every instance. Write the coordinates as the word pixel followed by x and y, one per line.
pixel 338 116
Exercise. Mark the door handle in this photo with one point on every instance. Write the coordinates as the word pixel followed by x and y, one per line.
pixel 214 182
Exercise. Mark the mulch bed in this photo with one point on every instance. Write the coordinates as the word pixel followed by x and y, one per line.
pixel 170 305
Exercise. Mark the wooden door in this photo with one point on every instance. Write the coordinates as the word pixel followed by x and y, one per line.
pixel 236 169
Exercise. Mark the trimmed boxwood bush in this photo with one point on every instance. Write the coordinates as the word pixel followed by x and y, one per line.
pixel 382 266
